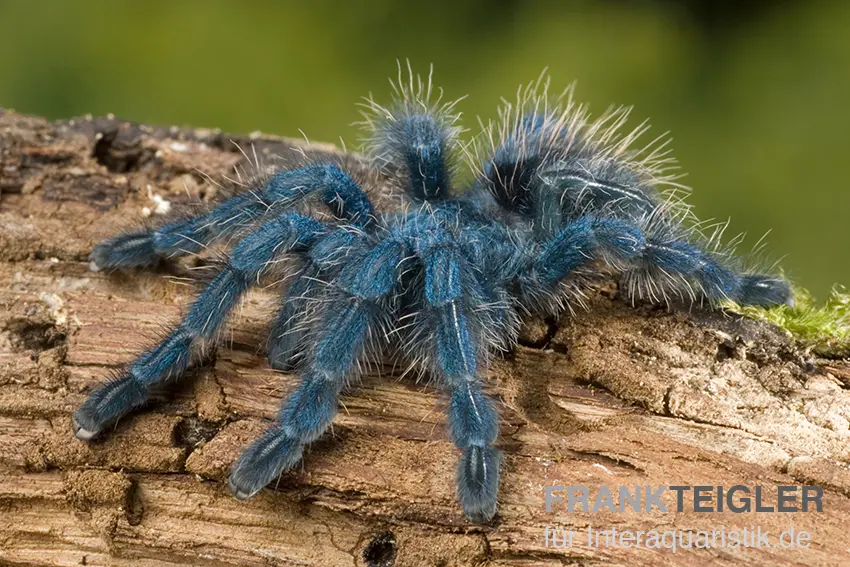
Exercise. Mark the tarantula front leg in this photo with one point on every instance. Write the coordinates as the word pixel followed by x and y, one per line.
pixel 628 247
pixel 363 284
pixel 208 312
pixel 413 140
pixel 191 235
pixel 473 421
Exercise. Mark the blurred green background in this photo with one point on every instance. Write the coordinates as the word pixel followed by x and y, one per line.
pixel 755 93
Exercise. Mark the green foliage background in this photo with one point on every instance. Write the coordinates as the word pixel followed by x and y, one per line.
pixel 757 104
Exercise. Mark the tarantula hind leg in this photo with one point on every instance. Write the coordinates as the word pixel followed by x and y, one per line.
pixel 623 242
pixel 205 318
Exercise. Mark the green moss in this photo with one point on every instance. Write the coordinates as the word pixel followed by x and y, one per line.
pixel 825 329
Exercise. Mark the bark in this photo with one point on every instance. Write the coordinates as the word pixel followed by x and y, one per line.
pixel 614 395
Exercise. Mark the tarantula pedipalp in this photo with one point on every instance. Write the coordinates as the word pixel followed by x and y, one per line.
pixel 445 279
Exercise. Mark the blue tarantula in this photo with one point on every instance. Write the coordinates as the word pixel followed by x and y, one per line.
pixel 443 280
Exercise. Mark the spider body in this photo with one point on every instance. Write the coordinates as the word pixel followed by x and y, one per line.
pixel 442 281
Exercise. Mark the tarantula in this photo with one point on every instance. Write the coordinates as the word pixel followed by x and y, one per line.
pixel 444 280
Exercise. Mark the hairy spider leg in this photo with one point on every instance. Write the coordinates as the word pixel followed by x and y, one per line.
pixel 623 244
pixel 339 192
pixel 413 141
pixel 473 421
pixel 351 313
pixel 294 321
pixel 424 144
pixel 291 326
pixel 209 311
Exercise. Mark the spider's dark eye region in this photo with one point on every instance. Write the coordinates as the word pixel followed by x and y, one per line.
pixel 425 154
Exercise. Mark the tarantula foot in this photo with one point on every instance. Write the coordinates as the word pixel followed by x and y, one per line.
pixel 98 259
pixel 106 405
pixel 262 462
pixel 238 492
pixel 765 291
pixel 478 482
pixel 81 432
pixel 124 251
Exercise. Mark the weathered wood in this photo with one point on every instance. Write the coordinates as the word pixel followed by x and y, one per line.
pixel 615 396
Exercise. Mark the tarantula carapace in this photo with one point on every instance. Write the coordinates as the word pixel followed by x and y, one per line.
pixel 443 280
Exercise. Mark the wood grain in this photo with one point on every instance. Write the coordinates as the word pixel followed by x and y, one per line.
pixel 614 396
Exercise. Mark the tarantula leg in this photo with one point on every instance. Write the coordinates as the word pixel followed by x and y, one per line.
pixel 474 427
pixel 764 290
pixel 510 171
pixel 413 139
pixel 424 144
pixel 169 358
pixel 338 190
pixel 627 246
pixel 473 421
pixel 288 332
pixel 364 282
pixel 293 323
pixel 304 417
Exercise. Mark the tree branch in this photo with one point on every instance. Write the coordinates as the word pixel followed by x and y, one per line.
pixel 616 396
